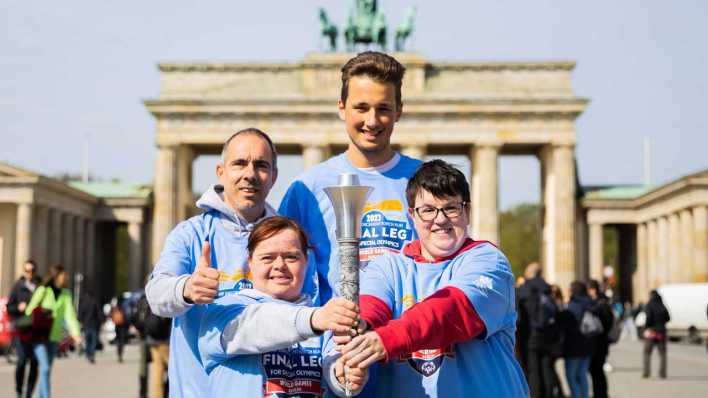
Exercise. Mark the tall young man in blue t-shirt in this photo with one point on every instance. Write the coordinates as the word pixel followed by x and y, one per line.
pixel 370 105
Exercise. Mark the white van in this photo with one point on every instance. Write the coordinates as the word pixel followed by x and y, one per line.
pixel 687 304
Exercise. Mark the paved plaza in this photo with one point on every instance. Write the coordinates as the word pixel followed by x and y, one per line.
pixel 688 374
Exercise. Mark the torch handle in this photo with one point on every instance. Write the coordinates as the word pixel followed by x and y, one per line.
pixel 349 271
pixel 349 281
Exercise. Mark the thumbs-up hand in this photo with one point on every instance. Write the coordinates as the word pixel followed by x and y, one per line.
pixel 202 286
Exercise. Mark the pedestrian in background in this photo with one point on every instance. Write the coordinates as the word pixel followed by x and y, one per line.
pixel 157 335
pixel 91 317
pixel 602 341
pixel 17 304
pixel 657 316
pixel 578 347
pixel 55 309
pixel 538 311
pixel 121 326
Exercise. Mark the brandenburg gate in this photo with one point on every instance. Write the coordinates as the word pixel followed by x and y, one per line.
pixel 479 109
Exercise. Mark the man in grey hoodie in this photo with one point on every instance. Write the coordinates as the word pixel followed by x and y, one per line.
pixel 207 254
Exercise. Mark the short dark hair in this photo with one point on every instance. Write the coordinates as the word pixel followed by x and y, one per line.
pixel 439 178
pixel 578 289
pixel 256 132
pixel 34 264
pixel 380 67
pixel 272 226
pixel 594 284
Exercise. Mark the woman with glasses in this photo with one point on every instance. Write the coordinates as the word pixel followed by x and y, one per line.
pixel 441 314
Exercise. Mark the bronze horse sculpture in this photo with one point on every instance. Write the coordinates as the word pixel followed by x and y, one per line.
pixel 405 29
pixel 328 30
pixel 366 26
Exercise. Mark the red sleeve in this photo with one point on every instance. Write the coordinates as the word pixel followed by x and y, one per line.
pixel 442 319
pixel 374 311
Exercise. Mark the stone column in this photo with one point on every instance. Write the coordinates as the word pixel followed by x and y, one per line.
pixel 558 185
pixel 414 151
pixel 675 273
pixel 485 196
pixel 686 248
pixel 91 256
pixel 40 238
pixel 652 256
pixel 55 238
pixel 165 209
pixel 314 154
pixel 184 182
pixel 700 242
pixel 80 246
pixel 23 237
pixel 640 277
pixel 596 251
pixel 68 260
pixel 135 266
pixel 663 268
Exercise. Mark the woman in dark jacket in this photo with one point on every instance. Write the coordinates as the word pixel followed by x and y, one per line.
pixel 655 333
pixel 577 348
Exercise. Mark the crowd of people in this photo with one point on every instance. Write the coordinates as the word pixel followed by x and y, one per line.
pixel 246 298
pixel 46 324
pixel 579 329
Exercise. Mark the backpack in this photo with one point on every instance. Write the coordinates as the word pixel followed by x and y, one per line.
pixel 590 325
pixel 158 328
pixel 615 332
pixel 117 316
pixel 544 316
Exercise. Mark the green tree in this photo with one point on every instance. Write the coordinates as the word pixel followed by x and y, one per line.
pixel 520 235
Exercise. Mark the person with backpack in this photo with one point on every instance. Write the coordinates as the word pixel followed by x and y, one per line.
pixel 602 342
pixel 580 326
pixel 16 305
pixel 655 333
pixel 538 312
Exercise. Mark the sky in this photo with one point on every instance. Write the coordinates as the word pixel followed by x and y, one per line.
pixel 78 71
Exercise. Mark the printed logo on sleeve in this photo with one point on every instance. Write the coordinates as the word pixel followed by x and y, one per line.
pixel 294 372
pixel 380 234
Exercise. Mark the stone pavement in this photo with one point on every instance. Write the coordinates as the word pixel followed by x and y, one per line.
pixel 76 378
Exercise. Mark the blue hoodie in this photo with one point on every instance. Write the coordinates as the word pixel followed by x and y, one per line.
pixel 227 234
pixel 259 346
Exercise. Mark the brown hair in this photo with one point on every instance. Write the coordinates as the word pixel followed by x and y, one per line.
pixel 272 226
pixel 54 271
pixel 380 67
pixel 578 289
pixel 256 132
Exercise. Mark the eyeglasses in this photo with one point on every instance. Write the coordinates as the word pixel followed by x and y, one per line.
pixel 451 211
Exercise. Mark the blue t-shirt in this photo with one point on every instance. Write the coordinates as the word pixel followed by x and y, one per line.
pixel 484 366
pixel 292 372
pixel 385 225
pixel 229 254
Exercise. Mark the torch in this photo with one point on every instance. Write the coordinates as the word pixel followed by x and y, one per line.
pixel 348 200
